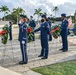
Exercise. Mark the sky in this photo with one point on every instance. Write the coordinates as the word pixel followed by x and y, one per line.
pixel 65 6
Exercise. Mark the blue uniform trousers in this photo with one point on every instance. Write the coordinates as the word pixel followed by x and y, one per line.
pixel 68 31
pixel 44 45
pixel 10 35
pixel 50 37
pixel 24 52
pixel 64 42
pixel 33 36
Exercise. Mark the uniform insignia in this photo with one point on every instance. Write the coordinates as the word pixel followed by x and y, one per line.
pixel 24 38
pixel 48 26
pixel 25 28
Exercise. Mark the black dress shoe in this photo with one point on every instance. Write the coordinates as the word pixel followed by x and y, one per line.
pixel 40 55
pixel 61 49
pixel 44 58
pixel 50 40
pixel 21 62
pixel 10 39
pixel 64 50
pixel 33 40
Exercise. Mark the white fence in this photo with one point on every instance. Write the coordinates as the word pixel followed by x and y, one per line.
pixel 4 22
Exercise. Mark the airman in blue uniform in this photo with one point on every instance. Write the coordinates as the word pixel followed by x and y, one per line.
pixel 50 36
pixel 10 30
pixel 64 33
pixel 44 28
pixel 23 39
pixel 33 25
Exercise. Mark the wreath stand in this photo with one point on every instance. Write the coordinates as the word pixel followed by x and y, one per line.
pixel 5 50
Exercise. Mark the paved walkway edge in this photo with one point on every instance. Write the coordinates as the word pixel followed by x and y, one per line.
pixel 30 72
pixel 4 71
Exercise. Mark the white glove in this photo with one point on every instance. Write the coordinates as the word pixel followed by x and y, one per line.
pixel 23 42
pixel 20 22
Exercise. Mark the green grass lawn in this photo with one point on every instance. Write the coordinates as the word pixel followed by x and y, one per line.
pixel 65 68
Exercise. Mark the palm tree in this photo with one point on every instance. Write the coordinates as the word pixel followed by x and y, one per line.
pixel 17 12
pixel 75 17
pixel 5 10
pixel 55 9
pixel 38 13
pixel 51 15
pixel 45 13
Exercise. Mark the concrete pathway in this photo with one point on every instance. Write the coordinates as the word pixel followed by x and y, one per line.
pixel 10 55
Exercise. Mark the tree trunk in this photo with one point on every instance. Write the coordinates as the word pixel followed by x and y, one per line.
pixel 75 19
pixel 38 19
pixel 4 17
pixel 17 20
pixel 55 14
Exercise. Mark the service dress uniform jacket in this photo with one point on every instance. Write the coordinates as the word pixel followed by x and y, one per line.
pixel 50 36
pixel 64 34
pixel 10 31
pixel 44 31
pixel 23 40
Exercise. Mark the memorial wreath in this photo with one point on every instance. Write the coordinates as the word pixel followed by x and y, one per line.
pixel 4 34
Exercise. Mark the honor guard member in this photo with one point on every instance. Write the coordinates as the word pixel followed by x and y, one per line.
pixel 10 30
pixel 64 33
pixel 33 25
pixel 44 28
pixel 50 36
pixel 23 38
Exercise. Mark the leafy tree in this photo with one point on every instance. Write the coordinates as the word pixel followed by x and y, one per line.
pixel 17 12
pixel 45 13
pixel 5 10
pixel 55 9
pixel 38 13
pixel 11 17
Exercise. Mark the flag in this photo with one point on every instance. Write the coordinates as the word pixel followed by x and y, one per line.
pixel 70 22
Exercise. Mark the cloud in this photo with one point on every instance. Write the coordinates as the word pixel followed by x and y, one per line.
pixel 65 6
